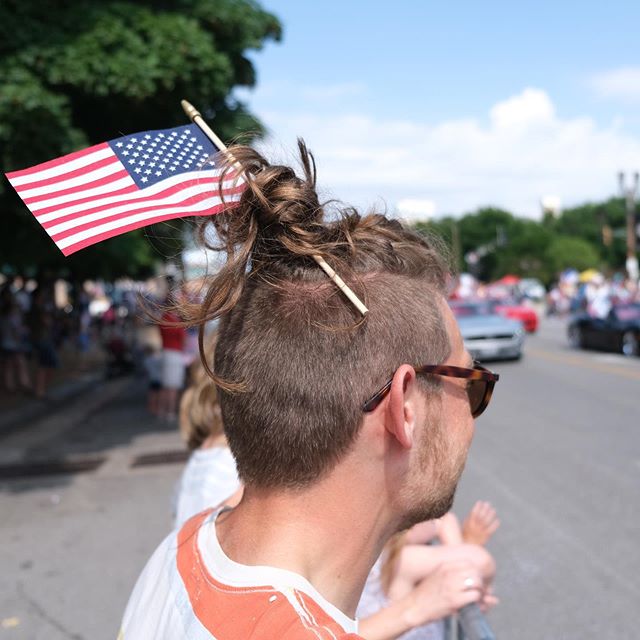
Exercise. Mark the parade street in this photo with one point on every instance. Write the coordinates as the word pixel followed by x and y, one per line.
pixel 557 453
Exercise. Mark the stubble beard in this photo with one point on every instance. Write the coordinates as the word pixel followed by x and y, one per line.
pixel 437 499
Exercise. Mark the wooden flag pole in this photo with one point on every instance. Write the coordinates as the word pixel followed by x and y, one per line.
pixel 195 116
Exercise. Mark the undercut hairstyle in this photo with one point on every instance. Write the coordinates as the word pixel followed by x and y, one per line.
pixel 295 361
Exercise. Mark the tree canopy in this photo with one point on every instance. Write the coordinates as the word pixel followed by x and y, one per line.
pixel 75 74
pixel 492 242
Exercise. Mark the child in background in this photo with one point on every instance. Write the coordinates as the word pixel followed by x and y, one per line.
pixel 407 565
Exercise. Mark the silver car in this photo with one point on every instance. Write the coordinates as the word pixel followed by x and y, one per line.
pixel 488 336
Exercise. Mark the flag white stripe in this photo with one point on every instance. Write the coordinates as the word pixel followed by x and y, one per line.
pixel 123 222
pixel 78 181
pixel 62 168
pixel 199 177
pixel 108 187
pixel 176 198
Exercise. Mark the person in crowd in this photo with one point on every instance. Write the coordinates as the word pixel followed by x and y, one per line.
pixel 41 321
pixel 13 343
pixel 345 429
pixel 173 336
pixel 413 572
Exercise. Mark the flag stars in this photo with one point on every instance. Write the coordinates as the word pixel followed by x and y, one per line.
pixel 135 154
pixel 143 179
pixel 119 144
pixel 147 137
pixel 125 153
pixel 129 146
pixel 142 163
pixel 133 139
pixel 172 168
pixel 158 173
pixel 145 156
pixel 137 169
pixel 132 161
pixel 147 171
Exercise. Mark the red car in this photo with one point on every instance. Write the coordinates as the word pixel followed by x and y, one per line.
pixel 517 311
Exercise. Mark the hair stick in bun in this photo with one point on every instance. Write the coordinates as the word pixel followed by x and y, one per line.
pixel 196 117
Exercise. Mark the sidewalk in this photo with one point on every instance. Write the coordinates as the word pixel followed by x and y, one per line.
pixel 76 374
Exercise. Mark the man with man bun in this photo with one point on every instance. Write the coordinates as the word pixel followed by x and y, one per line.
pixel 345 428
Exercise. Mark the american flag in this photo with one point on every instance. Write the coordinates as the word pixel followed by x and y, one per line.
pixel 126 183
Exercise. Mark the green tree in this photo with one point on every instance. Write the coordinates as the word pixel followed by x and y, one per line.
pixel 566 252
pixel 75 74
pixel 588 222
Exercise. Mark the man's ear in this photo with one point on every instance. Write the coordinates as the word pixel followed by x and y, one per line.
pixel 401 414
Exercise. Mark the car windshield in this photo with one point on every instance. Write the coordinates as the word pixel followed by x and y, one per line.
pixel 472 309
pixel 628 312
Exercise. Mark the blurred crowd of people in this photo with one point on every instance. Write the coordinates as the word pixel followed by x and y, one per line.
pixel 31 331
pixel 590 292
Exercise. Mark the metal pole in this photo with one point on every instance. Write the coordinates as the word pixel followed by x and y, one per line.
pixel 629 194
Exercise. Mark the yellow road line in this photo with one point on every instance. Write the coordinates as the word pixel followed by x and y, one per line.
pixel 584 362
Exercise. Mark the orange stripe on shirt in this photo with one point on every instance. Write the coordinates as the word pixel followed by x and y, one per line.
pixel 242 613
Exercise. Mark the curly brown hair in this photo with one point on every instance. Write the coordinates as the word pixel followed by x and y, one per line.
pixel 294 360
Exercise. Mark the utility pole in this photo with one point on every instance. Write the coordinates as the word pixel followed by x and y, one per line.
pixel 629 194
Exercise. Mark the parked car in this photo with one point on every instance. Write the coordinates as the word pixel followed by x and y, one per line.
pixel 486 334
pixel 512 309
pixel 619 331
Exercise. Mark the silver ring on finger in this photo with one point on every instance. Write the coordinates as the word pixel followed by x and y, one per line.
pixel 469 583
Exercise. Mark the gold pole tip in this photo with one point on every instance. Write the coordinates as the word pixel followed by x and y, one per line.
pixel 189 109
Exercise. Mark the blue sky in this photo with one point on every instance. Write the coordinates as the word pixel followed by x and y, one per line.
pixel 440 108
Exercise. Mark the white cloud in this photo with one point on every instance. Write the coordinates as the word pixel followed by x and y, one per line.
pixel 520 152
pixel 621 84
pixel 416 209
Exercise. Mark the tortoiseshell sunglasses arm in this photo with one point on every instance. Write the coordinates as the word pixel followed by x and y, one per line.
pixel 449 371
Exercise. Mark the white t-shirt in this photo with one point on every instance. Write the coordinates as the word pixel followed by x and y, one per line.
pixel 209 477
pixel 191 589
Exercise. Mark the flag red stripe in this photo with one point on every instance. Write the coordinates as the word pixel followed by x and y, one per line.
pixel 57 161
pixel 191 200
pixel 98 164
pixel 136 225
pixel 123 191
pixel 101 182
pixel 168 192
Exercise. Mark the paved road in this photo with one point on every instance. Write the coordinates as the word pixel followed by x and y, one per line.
pixel 558 453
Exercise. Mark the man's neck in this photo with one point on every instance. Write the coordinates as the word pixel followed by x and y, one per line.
pixel 331 534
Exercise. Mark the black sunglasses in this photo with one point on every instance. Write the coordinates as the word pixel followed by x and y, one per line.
pixel 479 387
